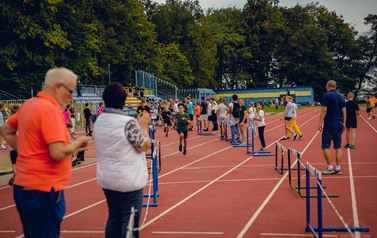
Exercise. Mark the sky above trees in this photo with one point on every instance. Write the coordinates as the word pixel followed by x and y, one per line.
pixel 353 11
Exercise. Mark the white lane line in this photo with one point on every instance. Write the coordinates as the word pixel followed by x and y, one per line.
pixel 82 232
pixel 369 124
pixel 7 231
pixel 189 232
pixel 293 235
pixel 353 195
pixel 4 208
pixel 83 209
pixel 261 207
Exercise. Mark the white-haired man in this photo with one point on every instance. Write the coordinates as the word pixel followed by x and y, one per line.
pixel 43 164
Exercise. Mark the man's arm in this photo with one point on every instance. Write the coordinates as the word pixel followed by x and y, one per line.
pixel 10 135
pixel 321 117
pixel 344 118
pixel 60 151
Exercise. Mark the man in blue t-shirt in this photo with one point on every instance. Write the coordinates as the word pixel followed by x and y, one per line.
pixel 332 124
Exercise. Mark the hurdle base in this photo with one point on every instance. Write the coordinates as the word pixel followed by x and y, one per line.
pixel 206 134
pixel 150 204
pixel 262 154
pixel 339 229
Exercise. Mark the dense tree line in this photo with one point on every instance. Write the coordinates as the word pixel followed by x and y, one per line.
pixel 261 45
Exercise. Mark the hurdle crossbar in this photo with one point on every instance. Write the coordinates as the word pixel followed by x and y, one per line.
pixel 310 170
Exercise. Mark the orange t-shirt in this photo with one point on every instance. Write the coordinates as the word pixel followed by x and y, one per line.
pixel 39 122
pixel 197 110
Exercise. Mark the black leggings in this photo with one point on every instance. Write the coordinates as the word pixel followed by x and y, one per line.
pixel 261 136
pixel 87 125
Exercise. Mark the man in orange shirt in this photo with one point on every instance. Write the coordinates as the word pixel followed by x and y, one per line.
pixel 44 151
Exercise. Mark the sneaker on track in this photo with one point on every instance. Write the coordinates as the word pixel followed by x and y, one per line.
pixel 184 150
pixel 300 138
pixel 352 147
pixel 339 172
pixel 284 139
pixel 347 146
pixel 295 137
pixel 180 148
pixel 3 147
pixel 328 171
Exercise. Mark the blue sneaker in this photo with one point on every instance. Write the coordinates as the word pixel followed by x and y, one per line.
pixel 347 146
pixel 180 148
pixel 352 147
pixel 261 149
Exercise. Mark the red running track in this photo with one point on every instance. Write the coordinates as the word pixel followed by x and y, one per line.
pixel 220 191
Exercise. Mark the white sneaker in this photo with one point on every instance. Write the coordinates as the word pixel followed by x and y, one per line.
pixel 369 118
pixel 3 147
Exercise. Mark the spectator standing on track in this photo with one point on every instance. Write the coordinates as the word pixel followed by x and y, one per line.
pixel 203 114
pixel 100 109
pixel 352 110
pixel 73 118
pixel 67 114
pixel 233 111
pixel 3 147
pixel 87 115
pixel 332 121
pixel 44 155
pixel 122 171
pixel 190 111
pixel 243 119
pixel 183 121
pixel 293 122
pixel 261 124
pixel 287 116
pixel 13 154
pixel 252 113
pixel 197 113
pixel 214 114
pixel 209 114
pixel 221 114
pixel 167 119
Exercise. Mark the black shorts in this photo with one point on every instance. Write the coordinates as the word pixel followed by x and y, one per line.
pixel 351 123
pixel 182 131
pixel 13 156
pixel 167 122
pixel 369 109
pixel 191 116
pixel 287 118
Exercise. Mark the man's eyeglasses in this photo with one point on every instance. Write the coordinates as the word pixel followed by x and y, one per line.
pixel 69 90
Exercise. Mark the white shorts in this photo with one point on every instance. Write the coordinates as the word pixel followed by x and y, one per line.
pixel 203 117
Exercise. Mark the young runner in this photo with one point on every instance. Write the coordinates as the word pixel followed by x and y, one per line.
pixel 183 121
pixel 166 117
pixel 287 116
pixel 252 113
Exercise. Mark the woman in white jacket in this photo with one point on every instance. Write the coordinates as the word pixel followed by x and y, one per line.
pixel 121 167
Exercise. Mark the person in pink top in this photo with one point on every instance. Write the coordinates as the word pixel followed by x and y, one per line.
pixel 101 105
pixel 67 114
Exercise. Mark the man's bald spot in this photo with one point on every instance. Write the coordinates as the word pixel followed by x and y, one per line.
pixel 331 84
pixel 59 75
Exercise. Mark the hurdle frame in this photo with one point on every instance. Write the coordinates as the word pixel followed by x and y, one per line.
pixel 298 169
pixel 309 228
pixel 200 130
pixel 256 153
pixel 155 193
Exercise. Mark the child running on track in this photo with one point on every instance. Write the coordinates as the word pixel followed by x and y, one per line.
pixel 287 115
pixel 293 121
pixel 252 112
pixel 166 118
pixel 261 125
pixel 183 120
pixel 352 110
pixel 154 114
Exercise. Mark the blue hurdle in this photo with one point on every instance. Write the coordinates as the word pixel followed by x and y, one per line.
pixel 155 193
pixel 311 170
pixel 258 152
pixel 200 130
